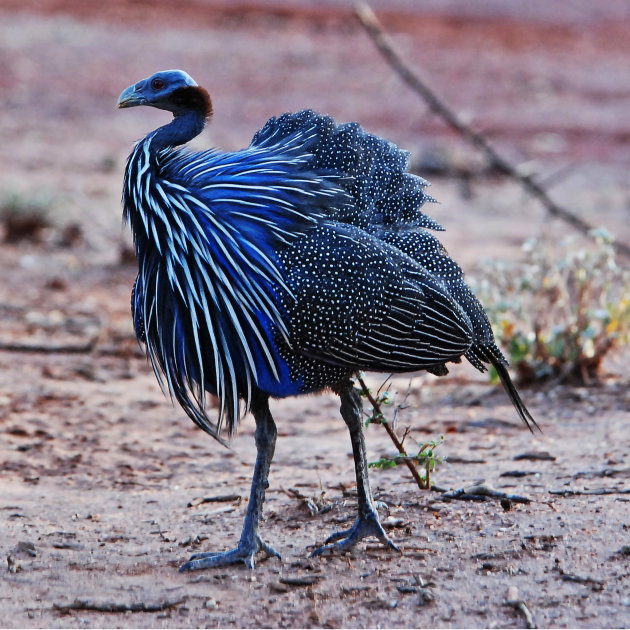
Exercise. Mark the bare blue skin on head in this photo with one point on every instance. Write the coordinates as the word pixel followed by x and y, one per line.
pixel 156 90
pixel 285 269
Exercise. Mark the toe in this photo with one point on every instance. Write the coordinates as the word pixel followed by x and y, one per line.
pixel 268 549
pixel 245 553
pixel 364 526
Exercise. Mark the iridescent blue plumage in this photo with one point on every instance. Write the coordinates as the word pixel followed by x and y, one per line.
pixel 209 229
pixel 286 268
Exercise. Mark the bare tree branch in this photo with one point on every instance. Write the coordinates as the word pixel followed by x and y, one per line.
pixel 387 48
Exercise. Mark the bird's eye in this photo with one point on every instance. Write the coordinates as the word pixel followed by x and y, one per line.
pixel 157 84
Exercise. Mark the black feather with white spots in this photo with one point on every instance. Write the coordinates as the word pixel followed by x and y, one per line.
pixel 380 293
pixel 388 206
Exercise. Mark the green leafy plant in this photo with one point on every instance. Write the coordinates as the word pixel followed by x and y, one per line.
pixel 425 457
pixel 562 311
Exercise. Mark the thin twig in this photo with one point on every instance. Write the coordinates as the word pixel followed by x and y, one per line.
pixel 116 607
pixel 69 348
pixel 385 45
pixel 595 491
pixel 405 434
pixel 301 580
pixel 394 438
pixel 478 492
pixel 223 498
pixel 596 585
pixel 400 407
pixel 515 601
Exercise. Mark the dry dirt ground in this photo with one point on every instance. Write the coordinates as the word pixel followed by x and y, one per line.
pixel 97 470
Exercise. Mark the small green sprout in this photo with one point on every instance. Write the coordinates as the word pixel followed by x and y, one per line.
pixel 425 456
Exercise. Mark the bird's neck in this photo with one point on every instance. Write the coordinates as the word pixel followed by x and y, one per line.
pixel 183 128
pixel 192 108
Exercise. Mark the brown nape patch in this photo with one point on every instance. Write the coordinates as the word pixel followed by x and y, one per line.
pixel 196 98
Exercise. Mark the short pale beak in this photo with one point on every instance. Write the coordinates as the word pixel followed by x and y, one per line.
pixel 130 98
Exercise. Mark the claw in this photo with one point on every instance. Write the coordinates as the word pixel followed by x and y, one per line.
pixel 245 552
pixel 364 526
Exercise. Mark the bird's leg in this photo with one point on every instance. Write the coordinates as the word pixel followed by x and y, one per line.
pixel 250 542
pixel 367 523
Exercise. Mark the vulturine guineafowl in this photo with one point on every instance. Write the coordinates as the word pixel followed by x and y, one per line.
pixel 284 269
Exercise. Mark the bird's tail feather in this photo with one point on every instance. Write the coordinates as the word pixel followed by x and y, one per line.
pixel 512 392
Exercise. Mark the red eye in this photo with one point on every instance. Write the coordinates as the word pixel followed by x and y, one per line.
pixel 157 84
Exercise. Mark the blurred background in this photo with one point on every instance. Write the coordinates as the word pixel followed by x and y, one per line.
pixel 547 83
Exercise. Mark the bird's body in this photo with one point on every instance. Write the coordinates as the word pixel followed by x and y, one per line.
pixel 286 268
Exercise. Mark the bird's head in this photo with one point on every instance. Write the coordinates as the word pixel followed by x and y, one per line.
pixel 172 90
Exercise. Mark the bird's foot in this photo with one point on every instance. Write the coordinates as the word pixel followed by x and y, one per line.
pixel 366 525
pixel 245 553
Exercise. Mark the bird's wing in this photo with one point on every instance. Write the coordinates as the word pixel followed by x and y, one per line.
pixel 362 304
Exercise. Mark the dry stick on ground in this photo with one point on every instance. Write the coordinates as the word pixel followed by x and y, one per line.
pixel 478 492
pixel 116 607
pixel 385 45
pixel 514 600
pixel 36 348
pixel 392 434
pixel 595 491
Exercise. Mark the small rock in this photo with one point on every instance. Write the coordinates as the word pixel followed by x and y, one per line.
pixel 27 548
pixel 391 522
pixel 425 597
pixel 512 594
pixel 278 587
pixel 13 565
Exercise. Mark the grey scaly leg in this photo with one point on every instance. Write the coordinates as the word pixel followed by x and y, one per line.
pixel 367 523
pixel 250 542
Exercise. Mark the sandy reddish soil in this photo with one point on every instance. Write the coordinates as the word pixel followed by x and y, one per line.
pixel 97 470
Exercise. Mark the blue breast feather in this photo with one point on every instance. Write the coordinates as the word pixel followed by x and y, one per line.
pixel 208 300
